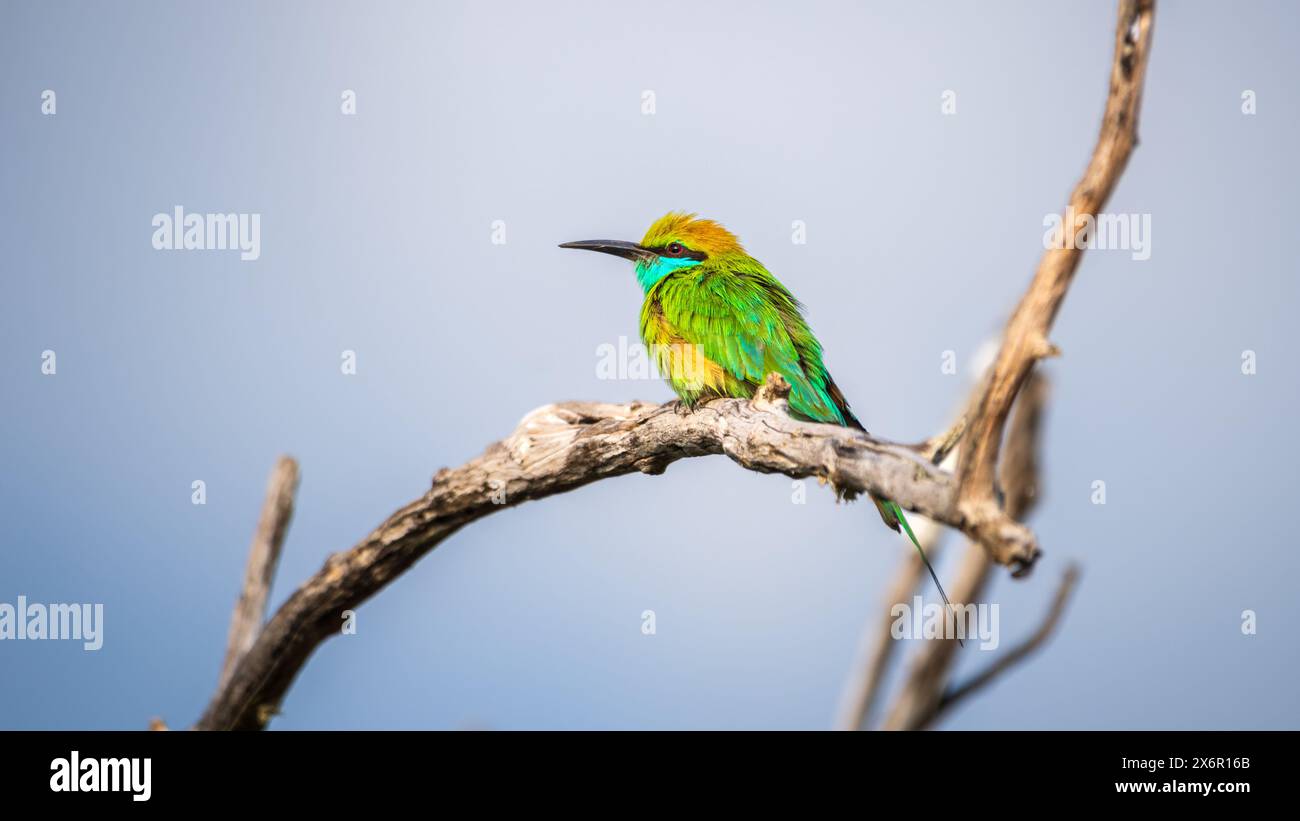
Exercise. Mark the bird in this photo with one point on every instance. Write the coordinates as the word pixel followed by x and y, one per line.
pixel 717 322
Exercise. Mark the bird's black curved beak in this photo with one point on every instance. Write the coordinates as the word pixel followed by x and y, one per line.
pixel 617 247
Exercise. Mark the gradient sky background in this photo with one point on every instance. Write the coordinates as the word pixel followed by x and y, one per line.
pixel 923 229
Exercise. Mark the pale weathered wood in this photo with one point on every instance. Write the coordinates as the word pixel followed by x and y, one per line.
pixel 920 698
pixel 866 680
pixel 562 447
pixel 555 449
pixel 1024 341
pixel 263 558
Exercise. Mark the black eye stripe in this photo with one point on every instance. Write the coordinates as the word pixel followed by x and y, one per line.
pixel 686 253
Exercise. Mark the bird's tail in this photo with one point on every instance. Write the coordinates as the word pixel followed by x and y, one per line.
pixel 893 516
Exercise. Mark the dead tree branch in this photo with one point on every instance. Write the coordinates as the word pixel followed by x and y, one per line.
pixel 263 558
pixel 556 449
pixel 562 447
pixel 1025 341
pixel 920 696
pixel 1016 654
pixel 877 645
pixel 862 688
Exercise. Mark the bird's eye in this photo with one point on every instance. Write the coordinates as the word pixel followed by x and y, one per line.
pixel 675 249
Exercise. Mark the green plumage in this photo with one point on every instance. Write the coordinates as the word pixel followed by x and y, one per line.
pixel 718 323
pixel 745 325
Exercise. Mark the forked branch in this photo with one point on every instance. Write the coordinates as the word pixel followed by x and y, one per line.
pixel 556 449
pixel 1025 340
pixel 562 447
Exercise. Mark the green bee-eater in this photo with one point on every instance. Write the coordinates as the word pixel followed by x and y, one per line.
pixel 718 322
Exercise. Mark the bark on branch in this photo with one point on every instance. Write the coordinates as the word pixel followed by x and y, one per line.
pixel 555 449
pixel 263 558
pixel 1013 656
pixel 562 447
pixel 1025 341
pixel 920 699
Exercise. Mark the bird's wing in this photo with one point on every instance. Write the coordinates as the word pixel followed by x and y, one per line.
pixel 739 329
pixel 827 402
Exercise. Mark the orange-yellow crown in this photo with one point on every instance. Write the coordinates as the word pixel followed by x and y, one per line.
pixel 693 232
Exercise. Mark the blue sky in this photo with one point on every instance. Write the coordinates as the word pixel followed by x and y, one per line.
pixel 376 237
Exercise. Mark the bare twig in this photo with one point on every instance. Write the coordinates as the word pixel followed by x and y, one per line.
pixel 1025 341
pixel 918 701
pixel 263 557
pixel 1016 654
pixel 876 647
pixel 562 447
